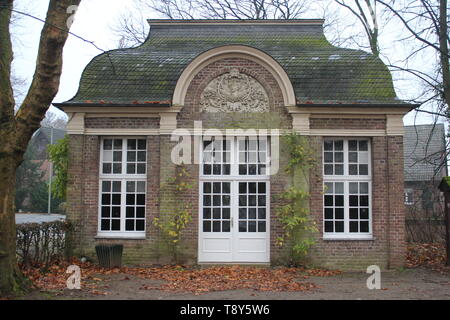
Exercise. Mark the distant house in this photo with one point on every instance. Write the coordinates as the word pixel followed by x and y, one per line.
pixel 35 168
pixel 39 142
pixel 42 138
pixel 425 165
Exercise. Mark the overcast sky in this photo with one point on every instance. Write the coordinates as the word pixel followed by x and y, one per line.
pixel 93 22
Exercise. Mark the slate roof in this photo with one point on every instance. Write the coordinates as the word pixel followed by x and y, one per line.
pixel 424 147
pixel 41 139
pixel 320 72
pixel 58 134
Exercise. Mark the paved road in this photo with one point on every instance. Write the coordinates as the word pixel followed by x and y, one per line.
pixel 37 218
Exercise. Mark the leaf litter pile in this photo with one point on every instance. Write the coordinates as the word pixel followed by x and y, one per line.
pixel 428 255
pixel 180 278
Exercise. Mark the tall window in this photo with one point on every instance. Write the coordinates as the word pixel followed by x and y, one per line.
pixel 347 188
pixel 234 184
pixel 123 167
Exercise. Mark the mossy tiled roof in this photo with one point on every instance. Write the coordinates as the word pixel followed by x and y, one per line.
pixel 424 148
pixel 319 71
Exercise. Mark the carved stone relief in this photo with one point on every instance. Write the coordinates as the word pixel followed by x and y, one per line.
pixel 234 91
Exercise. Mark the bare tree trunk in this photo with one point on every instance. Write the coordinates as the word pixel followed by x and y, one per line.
pixel 16 130
pixel 370 23
pixel 11 280
pixel 444 54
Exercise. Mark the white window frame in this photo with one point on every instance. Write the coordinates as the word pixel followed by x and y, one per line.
pixel 234 178
pixel 123 177
pixel 346 178
pixel 234 160
pixel 206 238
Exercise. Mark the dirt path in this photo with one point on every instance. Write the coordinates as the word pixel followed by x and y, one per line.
pixel 407 284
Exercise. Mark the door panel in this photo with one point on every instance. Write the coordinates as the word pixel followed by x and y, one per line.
pixel 234 208
pixel 233 229
pixel 215 222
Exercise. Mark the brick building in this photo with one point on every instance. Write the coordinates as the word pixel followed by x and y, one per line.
pixel 425 165
pixel 261 80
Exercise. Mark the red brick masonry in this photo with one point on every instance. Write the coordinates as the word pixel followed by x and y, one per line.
pixel 386 249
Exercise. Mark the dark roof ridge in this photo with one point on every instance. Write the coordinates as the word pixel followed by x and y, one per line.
pixel 236 21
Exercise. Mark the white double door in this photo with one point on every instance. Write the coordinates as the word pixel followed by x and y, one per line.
pixel 234 221
pixel 234 200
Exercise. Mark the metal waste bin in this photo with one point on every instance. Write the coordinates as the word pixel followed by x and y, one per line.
pixel 109 255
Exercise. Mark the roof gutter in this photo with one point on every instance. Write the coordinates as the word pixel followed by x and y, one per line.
pixel 356 105
pixel 61 106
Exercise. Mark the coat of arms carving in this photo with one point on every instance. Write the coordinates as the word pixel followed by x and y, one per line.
pixel 234 91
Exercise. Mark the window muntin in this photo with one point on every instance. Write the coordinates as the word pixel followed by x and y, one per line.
pixel 333 157
pixel 346 157
pixel 111 200
pixel 347 188
pixel 216 206
pixel 244 179
pixel 124 156
pixel 135 206
pixel 238 156
pixel 334 207
pixel 216 156
pixel 358 204
pixel 252 156
pixel 358 157
pixel 112 156
pixel 136 156
pixel 123 187
pixel 252 206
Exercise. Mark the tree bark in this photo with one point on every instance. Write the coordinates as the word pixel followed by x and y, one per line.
pixel 444 54
pixel 16 130
pixel 11 280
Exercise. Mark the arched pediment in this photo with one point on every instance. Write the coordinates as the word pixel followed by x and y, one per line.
pixel 234 51
pixel 234 91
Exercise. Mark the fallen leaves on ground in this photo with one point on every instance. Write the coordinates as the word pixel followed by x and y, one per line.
pixel 181 278
pixel 55 277
pixel 429 255
pixel 322 272
pixel 229 278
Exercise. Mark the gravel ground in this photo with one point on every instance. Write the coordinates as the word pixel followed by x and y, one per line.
pixel 415 284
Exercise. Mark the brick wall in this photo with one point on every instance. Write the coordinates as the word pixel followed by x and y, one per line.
pixel 386 249
pixel 351 123
pixel 83 196
pixel 132 123
pixel 75 184
pixel 276 118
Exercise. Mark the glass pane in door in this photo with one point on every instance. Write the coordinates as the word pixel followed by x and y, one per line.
pixel 252 209
pixel 216 206
pixel 216 157
pixel 252 156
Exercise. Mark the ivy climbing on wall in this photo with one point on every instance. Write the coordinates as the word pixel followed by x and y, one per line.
pixel 173 224
pixel 294 215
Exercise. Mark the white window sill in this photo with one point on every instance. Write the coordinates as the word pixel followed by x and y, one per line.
pixel 122 236
pixel 348 237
